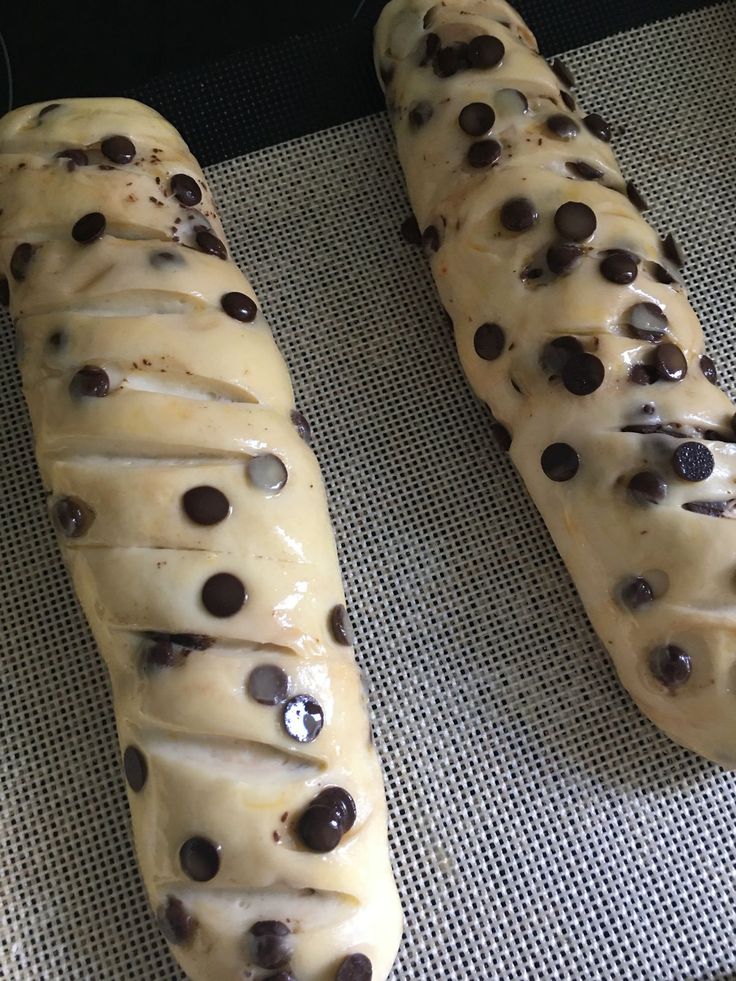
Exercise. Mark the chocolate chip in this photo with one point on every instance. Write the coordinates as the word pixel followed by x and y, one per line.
pixel 568 100
pixel 200 859
pixel 76 157
pixel 89 228
pixel 660 274
pixel 356 967
pixel 239 306
pixel 49 108
pixel 420 114
pixel 636 592
pixel 431 48
pixel 670 665
pixel 4 291
pixel 670 362
pixel 707 366
pixel 119 149
pixel 584 170
pixel 223 595
pixel 647 487
pixel 563 257
pixel 159 653
pixel 136 768
pixel 557 352
pixel 512 102
pixel 485 51
pixel 713 509
pixel 90 382
pixel 176 922
pixel 410 231
pixel 564 127
pixel 643 374
pixel 597 125
pixel 302 426
pixel 560 462
pixel 341 803
pixel 303 718
pixel 531 272
pixel 634 195
pixel 563 73
pixel 518 214
pixel 268 684
pixel 210 244
pixel 502 436
pixel 166 259
pixel 72 516
pixel 340 628
pixel 693 461
pixel 195 642
pixel 450 60
pixel 267 472
pixel 205 505
pixel 21 260
pixel 583 374
pixel 483 153
pixel 672 251
pixel 320 828
pixel 186 190
pixel 271 944
pixel 489 341
pixel 476 118
pixel 431 238
pixel 619 267
pixel 575 221
pixel 646 322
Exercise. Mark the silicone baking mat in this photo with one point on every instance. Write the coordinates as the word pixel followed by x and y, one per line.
pixel 541 827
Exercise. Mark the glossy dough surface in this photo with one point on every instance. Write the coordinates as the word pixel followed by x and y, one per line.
pixel 573 326
pixel 192 516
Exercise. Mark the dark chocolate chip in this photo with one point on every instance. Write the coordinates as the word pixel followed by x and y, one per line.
pixel 647 487
pixel 531 272
pixel 670 362
pixel 200 859
pixel 670 666
pixel 563 73
pixel 302 426
pixel 568 100
pixel 89 228
pixel 646 321
pixel 660 274
pixel 489 341
pixel 420 114
pixel 575 221
pixel 410 231
pixel 119 149
pixel 271 944
pixel 303 718
pixel 136 768
pixel 649 408
pixel 186 190
pixel 483 153
pixel 431 238
pixel 583 374
pixel 340 628
pixel 72 517
pixel 511 101
pixel 166 259
pixel 476 119
pixel 485 51
pixel 195 642
pixel 205 505
pixel 713 509
pixel 643 374
pixel 239 306
pixel 210 244
pixel 268 684
pixel 634 195
pixel 320 828
pixel 90 382
pixel 176 922
pixel 584 170
pixel 267 472
pixel 564 127
pixel 672 251
pixel 636 592
pixel 707 366
pixel 49 108
pixel 502 436
pixel 21 260
pixel 4 291
pixel 450 60
pixel 341 803
pixel 597 125
pixel 431 48
pixel 223 595
pixel 159 653
pixel 693 461
pixel 557 352
pixel 563 257
pixel 560 462
pixel 619 267
pixel 356 967
pixel 76 157
pixel 518 214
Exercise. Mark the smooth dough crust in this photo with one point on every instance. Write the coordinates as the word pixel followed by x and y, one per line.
pixel 192 516
pixel 573 326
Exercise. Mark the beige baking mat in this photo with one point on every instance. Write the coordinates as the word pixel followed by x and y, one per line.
pixel 541 828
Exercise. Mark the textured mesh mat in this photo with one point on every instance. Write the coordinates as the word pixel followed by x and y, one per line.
pixel 542 828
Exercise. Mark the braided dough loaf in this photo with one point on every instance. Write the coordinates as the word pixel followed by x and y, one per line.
pixel 192 516
pixel 573 326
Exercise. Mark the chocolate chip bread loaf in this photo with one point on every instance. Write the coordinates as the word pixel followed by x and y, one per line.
pixel 572 324
pixel 192 516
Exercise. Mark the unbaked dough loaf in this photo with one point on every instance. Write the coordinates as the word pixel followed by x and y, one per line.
pixel 573 326
pixel 192 516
